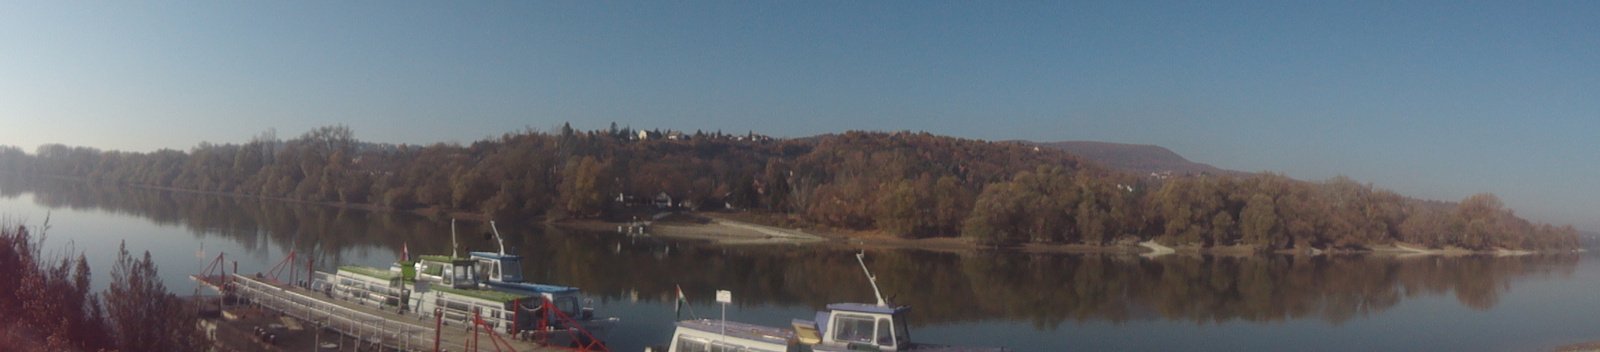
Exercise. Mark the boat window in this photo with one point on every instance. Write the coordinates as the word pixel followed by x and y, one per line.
pixel 494 272
pixel 690 345
pixel 719 347
pixel 567 304
pixel 852 328
pixel 511 271
pixel 463 274
pixel 884 338
pixel 482 269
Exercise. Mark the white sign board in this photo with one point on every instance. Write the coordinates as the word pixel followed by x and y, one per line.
pixel 724 296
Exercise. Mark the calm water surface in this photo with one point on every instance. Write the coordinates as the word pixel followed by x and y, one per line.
pixel 1028 302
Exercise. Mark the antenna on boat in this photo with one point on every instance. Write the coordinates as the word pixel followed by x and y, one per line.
pixel 497 238
pixel 452 239
pixel 872 279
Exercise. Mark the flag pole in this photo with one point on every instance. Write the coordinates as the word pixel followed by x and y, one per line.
pixel 680 303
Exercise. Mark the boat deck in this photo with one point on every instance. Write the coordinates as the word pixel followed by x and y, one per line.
pixel 386 327
pixel 754 332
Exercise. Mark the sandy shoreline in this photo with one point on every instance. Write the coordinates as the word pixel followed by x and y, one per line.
pixel 718 229
pixel 729 232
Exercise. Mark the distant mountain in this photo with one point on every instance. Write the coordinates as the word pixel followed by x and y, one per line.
pixel 1145 160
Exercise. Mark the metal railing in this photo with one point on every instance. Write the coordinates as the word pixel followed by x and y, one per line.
pixel 365 327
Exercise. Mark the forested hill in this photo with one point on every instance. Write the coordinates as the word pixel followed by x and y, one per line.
pixel 1139 158
pixel 905 184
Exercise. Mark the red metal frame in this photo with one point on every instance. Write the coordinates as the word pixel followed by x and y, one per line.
pixel 594 345
pixel 311 262
pixel 278 269
pixel 214 273
pixel 438 325
pixel 494 338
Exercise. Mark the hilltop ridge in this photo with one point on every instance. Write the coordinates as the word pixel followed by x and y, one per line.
pixel 1140 159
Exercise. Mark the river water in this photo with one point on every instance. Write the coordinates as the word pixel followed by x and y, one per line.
pixel 1024 301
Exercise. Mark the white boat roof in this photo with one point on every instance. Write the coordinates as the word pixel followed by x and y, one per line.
pixel 745 331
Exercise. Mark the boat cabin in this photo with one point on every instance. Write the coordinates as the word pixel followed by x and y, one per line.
pixel 843 327
pixel 452 272
pixel 366 285
pixel 501 272
pixel 498 267
pixel 855 326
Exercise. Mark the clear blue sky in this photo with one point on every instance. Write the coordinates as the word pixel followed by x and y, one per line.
pixel 1432 99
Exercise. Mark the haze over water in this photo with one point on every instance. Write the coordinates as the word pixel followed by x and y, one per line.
pixel 1029 302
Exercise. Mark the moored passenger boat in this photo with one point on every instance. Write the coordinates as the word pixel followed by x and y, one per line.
pixel 708 334
pixel 462 275
pixel 527 315
pixel 842 327
pixel 458 288
pixel 502 272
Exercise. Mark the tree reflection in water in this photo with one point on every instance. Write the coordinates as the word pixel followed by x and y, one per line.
pixel 1043 289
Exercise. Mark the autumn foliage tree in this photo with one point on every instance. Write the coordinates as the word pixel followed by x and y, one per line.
pixel 582 191
pixel 143 314
pixel 49 306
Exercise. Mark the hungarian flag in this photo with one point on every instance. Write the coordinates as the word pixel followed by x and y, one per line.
pixel 678 305
pixel 405 252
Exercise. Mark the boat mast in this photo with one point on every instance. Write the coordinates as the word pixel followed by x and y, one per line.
pixel 871 279
pixel 497 238
pixel 452 239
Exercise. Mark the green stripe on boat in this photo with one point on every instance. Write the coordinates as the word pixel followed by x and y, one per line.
pixel 370 271
pixel 497 296
pixel 440 258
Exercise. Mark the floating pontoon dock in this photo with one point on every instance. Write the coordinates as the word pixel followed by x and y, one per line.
pixel 367 323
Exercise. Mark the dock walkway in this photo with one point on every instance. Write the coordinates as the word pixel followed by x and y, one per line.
pixel 401 332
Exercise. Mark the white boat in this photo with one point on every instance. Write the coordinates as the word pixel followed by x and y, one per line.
pixel 461 276
pixel 707 334
pixel 457 288
pixel 525 315
pixel 842 327
pixel 502 272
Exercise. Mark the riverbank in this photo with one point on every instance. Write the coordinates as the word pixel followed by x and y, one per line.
pixel 730 232
pixel 1582 347
pixel 755 228
pixel 740 229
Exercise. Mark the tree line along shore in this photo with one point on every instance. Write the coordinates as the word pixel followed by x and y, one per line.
pixel 901 184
